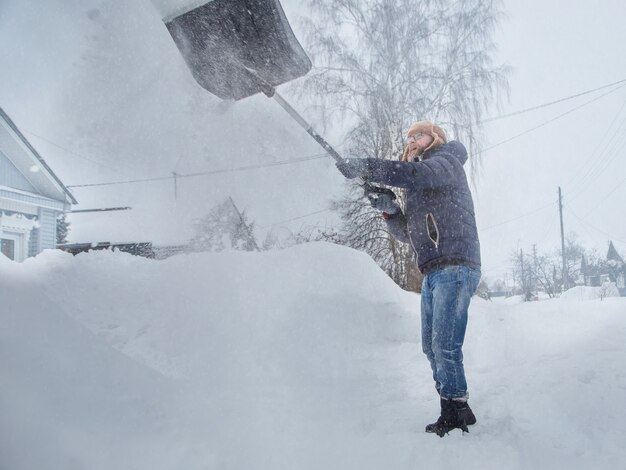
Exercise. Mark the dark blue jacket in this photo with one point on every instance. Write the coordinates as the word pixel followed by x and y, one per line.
pixel 438 220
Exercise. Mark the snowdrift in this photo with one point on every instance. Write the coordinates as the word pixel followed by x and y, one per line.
pixel 580 293
pixel 303 358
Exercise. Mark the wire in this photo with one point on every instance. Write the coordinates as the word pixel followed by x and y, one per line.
pixel 70 152
pixel 517 218
pixel 606 197
pixel 263 165
pixel 173 176
pixel 548 231
pixel 145 180
pixel 595 228
pixel 549 121
pixel 596 163
pixel 544 105
pixel 204 173
pixel 600 166
pixel 278 163
pixel 584 226
pixel 265 227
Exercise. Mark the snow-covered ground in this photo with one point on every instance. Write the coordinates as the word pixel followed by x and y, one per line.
pixel 306 358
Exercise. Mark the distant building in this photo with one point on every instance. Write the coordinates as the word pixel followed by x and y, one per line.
pixel 31 196
pixel 613 270
pixel 617 269
pixel 592 275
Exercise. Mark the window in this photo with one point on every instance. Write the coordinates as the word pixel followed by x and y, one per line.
pixel 8 248
pixel 15 231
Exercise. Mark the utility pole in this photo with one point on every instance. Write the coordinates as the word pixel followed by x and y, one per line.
pixel 564 272
pixel 175 175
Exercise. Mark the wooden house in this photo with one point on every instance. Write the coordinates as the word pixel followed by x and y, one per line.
pixel 31 196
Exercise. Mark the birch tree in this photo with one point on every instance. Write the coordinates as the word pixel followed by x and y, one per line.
pixel 380 65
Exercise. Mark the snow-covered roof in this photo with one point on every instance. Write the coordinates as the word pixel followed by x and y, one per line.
pixel 23 155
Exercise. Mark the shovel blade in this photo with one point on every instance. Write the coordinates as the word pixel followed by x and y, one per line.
pixel 222 39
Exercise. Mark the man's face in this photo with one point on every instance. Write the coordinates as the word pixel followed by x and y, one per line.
pixel 418 143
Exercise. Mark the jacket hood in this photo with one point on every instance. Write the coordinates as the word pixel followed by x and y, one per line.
pixel 454 148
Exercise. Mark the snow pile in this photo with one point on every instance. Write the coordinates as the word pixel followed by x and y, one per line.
pixel 305 358
pixel 580 293
pixel 511 300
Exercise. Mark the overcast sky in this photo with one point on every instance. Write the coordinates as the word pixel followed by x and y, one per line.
pixel 100 89
pixel 557 49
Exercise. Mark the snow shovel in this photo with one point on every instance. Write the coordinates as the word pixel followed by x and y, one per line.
pixel 237 48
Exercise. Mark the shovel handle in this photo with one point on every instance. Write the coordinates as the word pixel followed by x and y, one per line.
pixel 270 91
pixel 318 138
pixel 300 120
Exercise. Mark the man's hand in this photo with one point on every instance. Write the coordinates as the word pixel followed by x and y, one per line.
pixel 383 202
pixel 353 167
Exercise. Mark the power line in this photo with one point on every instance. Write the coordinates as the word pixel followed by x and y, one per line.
pixel 550 120
pixel 515 113
pixel 584 227
pixel 517 218
pixel 600 166
pixel 595 228
pixel 596 163
pixel 205 173
pixel 299 217
pixel 607 196
pixel 173 176
pixel 261 165
pixel 544 105
pixel 70 152
pixel 144 180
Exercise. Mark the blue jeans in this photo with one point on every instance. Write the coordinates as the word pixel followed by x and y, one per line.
pixel 446 295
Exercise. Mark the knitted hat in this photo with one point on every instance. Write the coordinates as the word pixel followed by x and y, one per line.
pixel 425 127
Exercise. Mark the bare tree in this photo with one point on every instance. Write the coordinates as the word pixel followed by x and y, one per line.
pixel 607 289
pixel 381 65
pixel 544 270
pixel 574 253
pixel 224 227
pixel 366 230
pixel 523 273
pixel 306 234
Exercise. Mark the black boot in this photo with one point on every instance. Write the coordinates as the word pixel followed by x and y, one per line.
pixel 464 413
pixel 454 414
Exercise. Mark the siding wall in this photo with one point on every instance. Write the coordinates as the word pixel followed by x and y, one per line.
pixel 11 177
pixel 31 199
pixel 46 234
pixel 15 206
pixel 33 242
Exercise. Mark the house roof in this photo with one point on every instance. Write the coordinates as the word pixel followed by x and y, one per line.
pixel 613 254
pixel 23 155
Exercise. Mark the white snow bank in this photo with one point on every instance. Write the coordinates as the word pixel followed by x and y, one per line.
pixel 305 358
pixel 580 293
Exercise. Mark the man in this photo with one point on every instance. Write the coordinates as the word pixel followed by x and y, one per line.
pixel 439 223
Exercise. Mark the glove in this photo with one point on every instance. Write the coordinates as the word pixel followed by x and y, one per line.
pixel 383 202
pixel 353 167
